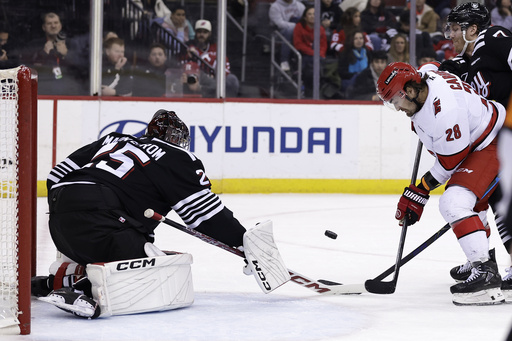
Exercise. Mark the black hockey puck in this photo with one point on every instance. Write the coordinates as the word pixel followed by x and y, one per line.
pixel 331 234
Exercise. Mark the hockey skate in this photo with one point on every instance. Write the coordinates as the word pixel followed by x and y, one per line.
pixel 483 286
pixel 461 272
pixel 40 285
pixel 506 285
pixel 73 302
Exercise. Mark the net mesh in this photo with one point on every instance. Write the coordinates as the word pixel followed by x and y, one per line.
pixel 8 198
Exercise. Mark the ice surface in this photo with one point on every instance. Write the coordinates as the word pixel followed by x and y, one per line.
pixel 230 306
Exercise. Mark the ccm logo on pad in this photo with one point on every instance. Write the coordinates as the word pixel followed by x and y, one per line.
pixel 261 275
pixel 136 264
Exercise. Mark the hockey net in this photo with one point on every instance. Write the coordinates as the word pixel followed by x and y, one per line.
pixel 18 155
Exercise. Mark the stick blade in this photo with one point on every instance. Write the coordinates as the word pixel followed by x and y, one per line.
pixel 379 287
pixel 327 282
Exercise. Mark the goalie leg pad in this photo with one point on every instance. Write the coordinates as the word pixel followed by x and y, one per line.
pixel 142 285
pixel 263 257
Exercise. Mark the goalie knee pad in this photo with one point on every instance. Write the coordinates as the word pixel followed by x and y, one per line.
pixel 142 285
pixel 64 274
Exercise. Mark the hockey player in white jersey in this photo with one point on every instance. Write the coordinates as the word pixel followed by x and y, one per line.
pixel 459 128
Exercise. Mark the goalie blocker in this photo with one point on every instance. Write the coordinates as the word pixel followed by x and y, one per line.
pixel 263 258
pixel 142 285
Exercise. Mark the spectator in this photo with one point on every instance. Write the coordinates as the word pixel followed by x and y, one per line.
pixel 423 40
pixel 350 20
pixel 359 4
pixel 353 59
pixel 8 58
pixel 178 24
pixel 426 57
pixel 365 83
pixel 376 20
pixel 399 49
pixel 151 80
pixel 203 47
pixel 303 38
pixel 4 39
pixel 501 15
pixel 330 15
pixel 195 82
pixel 284 14
pixel 54 60
pixel 444 50
pixel 441 7
pixel 428 19
pixel 116 80
pixel 109 34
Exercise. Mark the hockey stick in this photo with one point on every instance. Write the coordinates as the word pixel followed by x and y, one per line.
pixel 297 278
pixel 376 285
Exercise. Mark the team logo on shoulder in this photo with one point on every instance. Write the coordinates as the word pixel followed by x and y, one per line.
pixel 437 106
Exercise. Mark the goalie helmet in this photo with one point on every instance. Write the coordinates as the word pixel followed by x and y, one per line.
pixel 392 80
pixel 469 13
pixel 166 125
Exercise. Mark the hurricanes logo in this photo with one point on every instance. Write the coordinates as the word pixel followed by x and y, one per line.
pixel 464 170
pixel 437 106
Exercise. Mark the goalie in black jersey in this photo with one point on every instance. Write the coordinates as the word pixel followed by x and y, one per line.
pixel 97 197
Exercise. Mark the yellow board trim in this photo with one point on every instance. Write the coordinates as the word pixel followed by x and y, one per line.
pixel 41 188
pixel 353 186
pixel 350 186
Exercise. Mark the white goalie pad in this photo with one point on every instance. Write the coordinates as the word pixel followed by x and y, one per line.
pixel 263 257
pixel 142 285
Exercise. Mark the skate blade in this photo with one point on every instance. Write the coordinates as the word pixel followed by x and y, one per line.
pixel 483 297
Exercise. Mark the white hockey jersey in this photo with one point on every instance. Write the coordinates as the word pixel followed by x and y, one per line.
pixel 455 121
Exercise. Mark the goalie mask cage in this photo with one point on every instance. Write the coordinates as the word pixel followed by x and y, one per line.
pixel 18 192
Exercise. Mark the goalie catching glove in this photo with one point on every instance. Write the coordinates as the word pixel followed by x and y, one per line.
pixel 410 206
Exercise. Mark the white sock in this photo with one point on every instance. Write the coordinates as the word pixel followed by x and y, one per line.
pixel 475 246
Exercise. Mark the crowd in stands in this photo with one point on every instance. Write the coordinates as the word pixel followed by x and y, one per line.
pixel 367 31
pixel 132 64
pixel 356 38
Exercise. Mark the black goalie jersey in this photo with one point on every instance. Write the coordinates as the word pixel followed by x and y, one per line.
pixel 149 173
pixel 489 70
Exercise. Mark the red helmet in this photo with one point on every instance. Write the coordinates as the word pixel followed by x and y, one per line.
pixel 167 126
pixel 392 80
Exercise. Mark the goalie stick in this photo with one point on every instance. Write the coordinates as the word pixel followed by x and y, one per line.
pixel 319 287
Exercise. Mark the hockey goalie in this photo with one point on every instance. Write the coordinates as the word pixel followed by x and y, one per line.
pixel 108 264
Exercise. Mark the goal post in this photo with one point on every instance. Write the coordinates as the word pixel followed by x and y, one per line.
pixel 18 195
